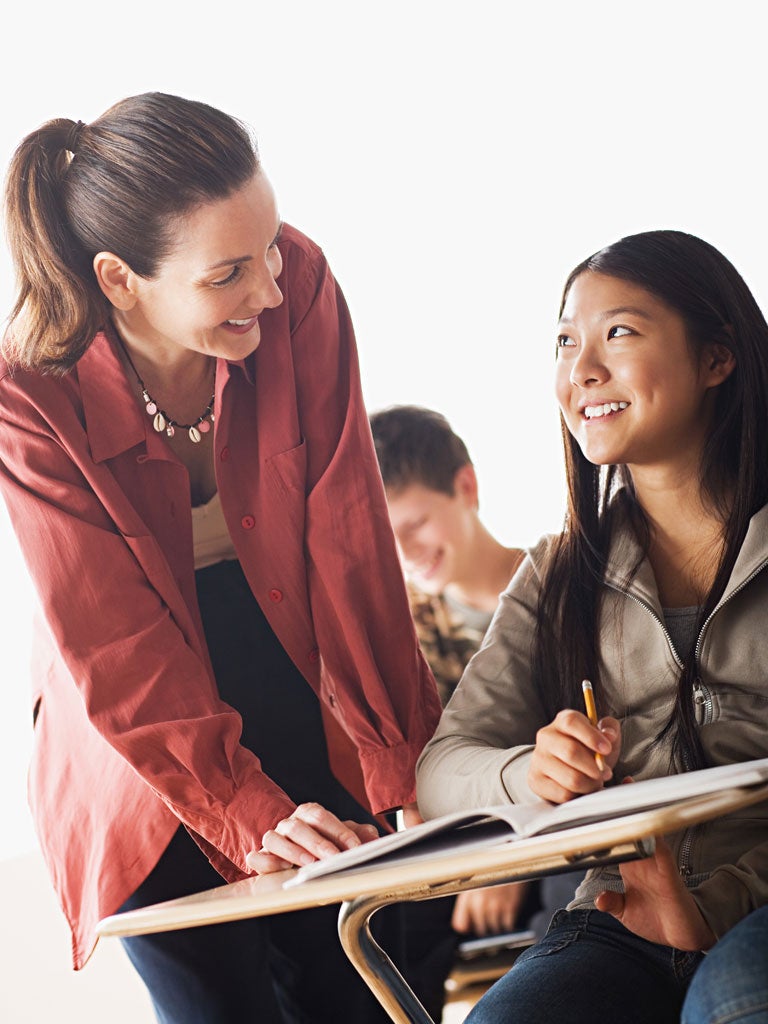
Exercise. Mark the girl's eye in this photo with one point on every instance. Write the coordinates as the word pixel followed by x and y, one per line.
pixel 619 332
pixel 565 341
pixel 233 276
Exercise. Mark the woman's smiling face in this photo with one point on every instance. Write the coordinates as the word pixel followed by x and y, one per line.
pixel 630 385
pixel 218 279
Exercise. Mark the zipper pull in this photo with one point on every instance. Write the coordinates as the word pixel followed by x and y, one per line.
pixel 702 702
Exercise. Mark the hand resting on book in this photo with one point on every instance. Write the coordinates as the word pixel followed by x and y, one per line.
pixel 311 833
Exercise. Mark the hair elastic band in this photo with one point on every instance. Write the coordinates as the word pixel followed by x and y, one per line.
pixel 74 137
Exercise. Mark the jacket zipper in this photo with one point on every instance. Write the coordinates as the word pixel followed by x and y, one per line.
pixel 701 695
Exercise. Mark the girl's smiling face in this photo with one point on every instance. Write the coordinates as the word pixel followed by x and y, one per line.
pixel 631 386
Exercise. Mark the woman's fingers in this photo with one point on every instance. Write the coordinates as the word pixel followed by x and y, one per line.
pixel 365 833
pixel 311 833
pixel 264 863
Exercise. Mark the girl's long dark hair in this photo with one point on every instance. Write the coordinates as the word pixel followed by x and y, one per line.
pixel 704 288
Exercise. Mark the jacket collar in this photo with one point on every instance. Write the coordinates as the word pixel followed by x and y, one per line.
pixel 625 552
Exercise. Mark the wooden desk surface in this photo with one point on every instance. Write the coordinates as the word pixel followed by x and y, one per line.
pixel 524 858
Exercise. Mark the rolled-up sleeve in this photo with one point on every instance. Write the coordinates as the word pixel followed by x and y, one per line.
pixel 373 674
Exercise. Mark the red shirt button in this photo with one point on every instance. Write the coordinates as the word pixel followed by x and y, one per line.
pixel 314 654
pixel 224 455
pixel 247 522
pixel 332 699
pixel 276 596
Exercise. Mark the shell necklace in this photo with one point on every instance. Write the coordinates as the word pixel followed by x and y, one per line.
pixel 162 421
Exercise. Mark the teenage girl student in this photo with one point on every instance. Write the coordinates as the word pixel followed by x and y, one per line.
pixel 187 463
pixel 656 591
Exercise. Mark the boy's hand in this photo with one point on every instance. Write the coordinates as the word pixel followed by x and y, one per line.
pixel 489 911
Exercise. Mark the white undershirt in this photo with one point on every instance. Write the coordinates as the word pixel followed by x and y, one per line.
pixel 210 536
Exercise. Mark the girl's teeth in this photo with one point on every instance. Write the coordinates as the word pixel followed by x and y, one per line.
pixel 239 323
pixel 594 411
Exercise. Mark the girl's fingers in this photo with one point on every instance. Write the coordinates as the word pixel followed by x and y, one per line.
pixel 564 762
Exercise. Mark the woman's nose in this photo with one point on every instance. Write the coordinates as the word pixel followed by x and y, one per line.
pixel 265 292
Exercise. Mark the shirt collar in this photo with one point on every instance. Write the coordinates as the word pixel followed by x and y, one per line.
pixel 113 416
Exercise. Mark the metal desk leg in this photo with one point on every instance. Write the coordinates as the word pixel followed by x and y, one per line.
pixel 377 970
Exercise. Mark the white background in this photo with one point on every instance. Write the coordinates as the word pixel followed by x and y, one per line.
pixel 454 160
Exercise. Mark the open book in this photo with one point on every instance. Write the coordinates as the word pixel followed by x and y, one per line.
pixel 487 826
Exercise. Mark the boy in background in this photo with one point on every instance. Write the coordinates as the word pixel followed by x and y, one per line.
pixel 455 571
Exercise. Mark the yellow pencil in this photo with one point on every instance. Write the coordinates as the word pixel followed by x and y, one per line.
pixel 589 700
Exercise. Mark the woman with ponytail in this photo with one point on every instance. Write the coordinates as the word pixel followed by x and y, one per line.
pixel 656 591
pixel 226 675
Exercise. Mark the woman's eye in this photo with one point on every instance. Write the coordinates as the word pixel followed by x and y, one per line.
pixel 619 332
pixel 274 259
pixel 565 341
pixel 233 276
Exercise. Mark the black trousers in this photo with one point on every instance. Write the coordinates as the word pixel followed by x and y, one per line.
pixel 285 969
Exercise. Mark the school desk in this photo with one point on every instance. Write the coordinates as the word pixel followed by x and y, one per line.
pixel 365 890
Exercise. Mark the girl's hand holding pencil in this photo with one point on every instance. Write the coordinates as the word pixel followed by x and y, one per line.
pixel 575 753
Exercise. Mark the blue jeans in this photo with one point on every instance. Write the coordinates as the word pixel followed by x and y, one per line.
pixel 589 968
pixel 731 986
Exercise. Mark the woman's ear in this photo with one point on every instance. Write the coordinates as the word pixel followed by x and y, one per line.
pixel 116 279
pixel 718 363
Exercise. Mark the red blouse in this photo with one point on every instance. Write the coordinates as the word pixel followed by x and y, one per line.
pixel 130 733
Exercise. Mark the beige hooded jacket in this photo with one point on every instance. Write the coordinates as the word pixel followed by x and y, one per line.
pixel 481 750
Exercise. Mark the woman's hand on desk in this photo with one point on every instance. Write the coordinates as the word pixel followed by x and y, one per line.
pixel 311 833
pixel 563 764
pixel 490 911
pixel 656 905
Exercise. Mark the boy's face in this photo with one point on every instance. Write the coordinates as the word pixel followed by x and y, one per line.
pixel 434 531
